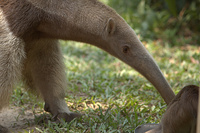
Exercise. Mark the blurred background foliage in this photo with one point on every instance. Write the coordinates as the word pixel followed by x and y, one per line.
pixel 172 22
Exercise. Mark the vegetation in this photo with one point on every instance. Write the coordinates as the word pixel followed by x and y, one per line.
pixel 162 20
pixel 114 97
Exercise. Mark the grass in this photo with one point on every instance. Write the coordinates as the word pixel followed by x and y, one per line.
pixel 113 96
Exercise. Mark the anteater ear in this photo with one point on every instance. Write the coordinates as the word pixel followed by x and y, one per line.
pixel 110 27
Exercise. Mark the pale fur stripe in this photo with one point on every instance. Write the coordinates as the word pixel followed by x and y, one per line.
pixel 11 57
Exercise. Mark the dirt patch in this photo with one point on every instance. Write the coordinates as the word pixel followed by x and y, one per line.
pixel 16 119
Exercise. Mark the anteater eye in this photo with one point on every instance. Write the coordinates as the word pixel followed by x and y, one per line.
pixel 125 49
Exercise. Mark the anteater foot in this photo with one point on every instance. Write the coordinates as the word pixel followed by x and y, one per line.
pixel 66 117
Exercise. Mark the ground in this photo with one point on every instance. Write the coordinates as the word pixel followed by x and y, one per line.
pixel 112 96
pixel 13 119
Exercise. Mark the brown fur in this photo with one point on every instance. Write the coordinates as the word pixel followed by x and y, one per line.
pixel 181 113
pixel 198 116
pixel 3 130
pixel 29 33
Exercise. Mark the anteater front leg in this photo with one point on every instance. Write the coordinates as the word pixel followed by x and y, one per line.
pixel 44 70
pixel 11 60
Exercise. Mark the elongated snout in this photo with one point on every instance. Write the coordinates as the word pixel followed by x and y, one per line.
pixel 124 44
pixel 139 58
pixel 150 70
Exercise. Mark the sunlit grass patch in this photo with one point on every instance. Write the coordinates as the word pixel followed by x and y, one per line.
pixel 112 96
